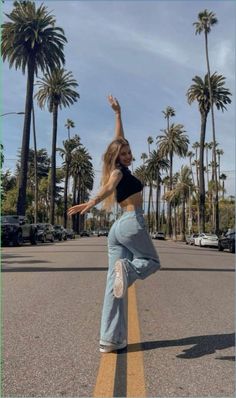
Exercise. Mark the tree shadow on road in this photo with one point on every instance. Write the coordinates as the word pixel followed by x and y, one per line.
pixel 201 345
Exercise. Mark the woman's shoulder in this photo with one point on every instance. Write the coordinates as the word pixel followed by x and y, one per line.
pixel 117 171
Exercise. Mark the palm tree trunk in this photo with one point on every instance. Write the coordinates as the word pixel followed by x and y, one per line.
pixel 183 220
pixel 21 201
pixel 201 173
pixel 35 169
pixel 65 194
pixel 53 165
pixel 157 202
pixel 149 204
pixel 169 223
pixel 216 227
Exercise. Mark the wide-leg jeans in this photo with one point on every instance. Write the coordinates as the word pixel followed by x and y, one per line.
pixel 130 241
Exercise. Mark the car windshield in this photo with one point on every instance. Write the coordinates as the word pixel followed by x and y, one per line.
pixel 10 219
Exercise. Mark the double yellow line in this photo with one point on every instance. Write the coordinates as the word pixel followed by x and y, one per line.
pixel 135 382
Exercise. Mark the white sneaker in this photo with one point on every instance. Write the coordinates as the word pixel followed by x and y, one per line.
pixel 120 283
pixel 112 347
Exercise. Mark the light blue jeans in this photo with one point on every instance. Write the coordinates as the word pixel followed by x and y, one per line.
pixel 129 240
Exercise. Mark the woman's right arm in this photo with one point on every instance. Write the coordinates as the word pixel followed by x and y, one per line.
pixel 119 131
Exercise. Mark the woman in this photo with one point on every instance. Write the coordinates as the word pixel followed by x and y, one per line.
pixel 130 250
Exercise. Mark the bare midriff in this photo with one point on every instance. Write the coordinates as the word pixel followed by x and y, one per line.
pixel 132 202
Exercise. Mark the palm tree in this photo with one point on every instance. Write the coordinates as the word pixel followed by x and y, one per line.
pixel 208 145
pixel 190 155
pixel 155 164
pixel 184 187
pixel 141 173
pixel 174 141
pixel 69 124
pixel 1 155
pixel 168 112
pixel 219 153
pixel 66 153
pixel 199 91
pixel 205 21
pixel 144 156
pixel 150 142
pixel 56 89
pixel 223 177
pixel 30 41
pixel 83 175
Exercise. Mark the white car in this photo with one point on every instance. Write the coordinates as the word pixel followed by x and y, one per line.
pixel 206 240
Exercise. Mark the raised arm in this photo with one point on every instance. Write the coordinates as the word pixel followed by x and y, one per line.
pixel 105 191
pixel 119 132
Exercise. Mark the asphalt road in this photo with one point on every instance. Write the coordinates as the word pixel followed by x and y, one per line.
pixel 52 299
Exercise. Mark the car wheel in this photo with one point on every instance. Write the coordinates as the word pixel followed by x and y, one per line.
pixel 220 248
pixel 231 247
pixel 33 239
pixel 18 239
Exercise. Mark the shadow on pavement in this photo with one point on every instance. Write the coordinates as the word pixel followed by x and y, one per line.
pixel 198 269
pixel 202 345
pixel 51 269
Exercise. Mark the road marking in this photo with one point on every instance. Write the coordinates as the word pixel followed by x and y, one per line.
pixel 106 375
pixel 124 372
pixel 135 369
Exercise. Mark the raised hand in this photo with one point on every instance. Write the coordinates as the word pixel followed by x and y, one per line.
pixel 114 103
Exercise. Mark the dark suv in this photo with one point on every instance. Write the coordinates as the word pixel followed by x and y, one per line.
pixel 16 230
pixel 227 241
pixel 59 232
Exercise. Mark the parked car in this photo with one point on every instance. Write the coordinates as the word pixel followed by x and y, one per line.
pixel 205 239
pixel 189 239
pixel 103 232
pixel 70 233
pixel 16 230
pixel 84 233
pixel 227 241
pixel 45 232
pixel 59 232
pixel 158 235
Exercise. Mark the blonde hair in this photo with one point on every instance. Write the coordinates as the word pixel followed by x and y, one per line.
pixel 110 163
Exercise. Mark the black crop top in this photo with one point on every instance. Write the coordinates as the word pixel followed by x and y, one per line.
pixel 128 185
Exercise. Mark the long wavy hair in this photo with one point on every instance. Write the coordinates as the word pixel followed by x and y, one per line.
pixel 110 163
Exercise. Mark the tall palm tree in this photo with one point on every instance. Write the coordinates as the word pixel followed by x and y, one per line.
pixel 168 112
pixel 56 89
pixel 144 156
pixel 83 175
pixel 190 155
pixel 66 153
pixel 155 164
pixel 184 187
pixel 30 41
pixel 223 177
pixel 207 19
pixel 174 141
pixel 1 155
pixel 199 91
pixel 150 142
pixel 219 153
pixel 141 173
pixel 69 124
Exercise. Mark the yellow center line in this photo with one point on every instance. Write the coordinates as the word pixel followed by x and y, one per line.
pixel 106 376
pixel 135 369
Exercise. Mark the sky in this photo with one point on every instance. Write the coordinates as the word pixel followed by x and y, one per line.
pixel 146 54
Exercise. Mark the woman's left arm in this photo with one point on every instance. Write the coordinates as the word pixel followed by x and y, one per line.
pixel 106 191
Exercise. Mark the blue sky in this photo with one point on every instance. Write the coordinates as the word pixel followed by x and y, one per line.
pixel 143 52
